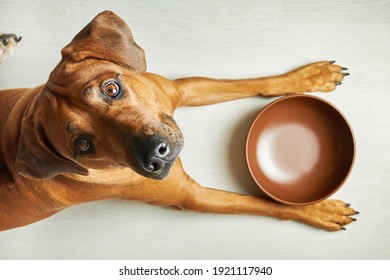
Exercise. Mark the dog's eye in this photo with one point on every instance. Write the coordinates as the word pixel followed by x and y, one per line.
pixel 5 42
pixel 82 144
pixel 111 89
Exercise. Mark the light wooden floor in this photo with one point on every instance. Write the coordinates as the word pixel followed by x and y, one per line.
pixel 223 39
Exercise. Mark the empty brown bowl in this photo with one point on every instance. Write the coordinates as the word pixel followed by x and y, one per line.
pixel 300 149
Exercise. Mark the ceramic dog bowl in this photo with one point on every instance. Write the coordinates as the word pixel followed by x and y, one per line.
pixel 300 149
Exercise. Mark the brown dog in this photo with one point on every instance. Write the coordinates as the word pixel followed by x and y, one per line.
pixel 102 128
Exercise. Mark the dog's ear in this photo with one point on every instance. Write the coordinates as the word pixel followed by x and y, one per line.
pixel 36 157
pixel 109 38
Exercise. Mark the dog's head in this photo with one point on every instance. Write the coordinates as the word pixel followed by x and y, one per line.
pixel 99 111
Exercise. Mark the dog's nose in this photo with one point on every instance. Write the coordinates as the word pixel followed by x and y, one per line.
pixel 156 155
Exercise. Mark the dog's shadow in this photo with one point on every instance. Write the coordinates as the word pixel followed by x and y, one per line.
pixel 237 154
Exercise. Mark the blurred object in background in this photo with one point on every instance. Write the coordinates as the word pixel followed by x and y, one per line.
pixel 8 43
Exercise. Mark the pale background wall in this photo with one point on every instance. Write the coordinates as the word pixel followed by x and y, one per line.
pixel 224 39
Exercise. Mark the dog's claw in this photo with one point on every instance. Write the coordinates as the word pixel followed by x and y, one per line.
pixel 346 74
pixel 338 83
pixel 332 61
pixel 344 68
pixel 347 204
pixel 353 219
pixel 343 228
pixel 356 213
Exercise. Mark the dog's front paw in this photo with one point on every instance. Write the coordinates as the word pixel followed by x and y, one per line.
pixel 319 76
pixel 331 215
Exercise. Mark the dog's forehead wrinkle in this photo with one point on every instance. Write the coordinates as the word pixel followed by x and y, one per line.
pixel 71 75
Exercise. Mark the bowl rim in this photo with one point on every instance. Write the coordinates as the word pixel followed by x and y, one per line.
pixel 272 104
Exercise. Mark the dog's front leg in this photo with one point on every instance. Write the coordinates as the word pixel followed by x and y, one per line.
pixel 315 77
pixel 331 215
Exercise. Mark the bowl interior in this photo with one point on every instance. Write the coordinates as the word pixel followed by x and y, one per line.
pixel 300 149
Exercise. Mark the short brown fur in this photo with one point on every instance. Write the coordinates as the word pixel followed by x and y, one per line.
pixel 42 174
